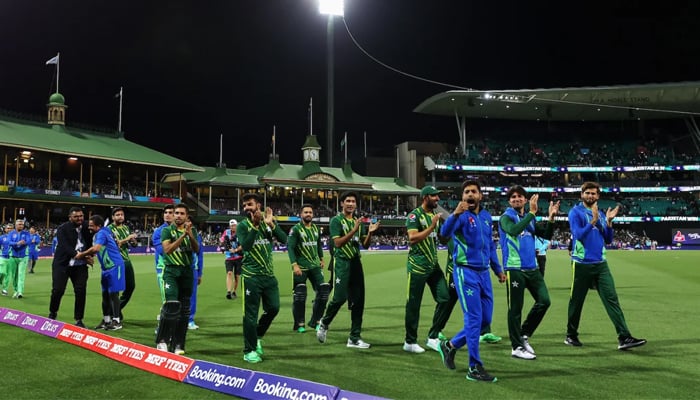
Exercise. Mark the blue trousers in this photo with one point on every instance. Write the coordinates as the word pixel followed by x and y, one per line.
pixel 476 298
pixel 193 298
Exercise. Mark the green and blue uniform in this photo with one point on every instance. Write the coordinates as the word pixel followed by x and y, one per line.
pixel 121 232
pixel 112 263
pixel 517 236
pixel 4 258
pixel 474 253
pixel 197 271
pixel 590 269
pixel 158 252
pixel 16 267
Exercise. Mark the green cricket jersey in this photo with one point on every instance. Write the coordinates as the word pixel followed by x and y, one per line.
pixel 422 256
pixel 257 247
pixel 121 233
pixel 339 227
pixel 304 246
pixel 182 255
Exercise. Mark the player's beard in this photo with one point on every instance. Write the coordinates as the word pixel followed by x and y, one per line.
pixel 589 203
pixel 431 205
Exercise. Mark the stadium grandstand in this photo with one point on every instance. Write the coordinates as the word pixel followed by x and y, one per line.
pixel 49 166
pixel 640 142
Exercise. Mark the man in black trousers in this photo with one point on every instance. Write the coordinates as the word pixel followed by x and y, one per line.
pixel 73 237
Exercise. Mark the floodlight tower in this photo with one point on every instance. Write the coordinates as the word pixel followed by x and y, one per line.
pixel 332 8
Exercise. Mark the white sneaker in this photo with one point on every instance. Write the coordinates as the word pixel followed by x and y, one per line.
pixel 321 332
pixel 162 346
pixel 358 344
pixel 412 348
pixel 520 352
pixel 179 350
pixel 433 344
pixel 192 326
pixel 526 345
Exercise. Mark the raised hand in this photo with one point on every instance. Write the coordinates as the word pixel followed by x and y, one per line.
pixel 610 214
pixel 533 203
pixel 553 209
pixel 461 207
pixel 596 214
pixel 269 217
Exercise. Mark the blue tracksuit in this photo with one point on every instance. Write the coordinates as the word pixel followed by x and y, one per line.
pixel 588 248
pixel 158 256
pixel 197 269
pixel 519 250
pixel 474 253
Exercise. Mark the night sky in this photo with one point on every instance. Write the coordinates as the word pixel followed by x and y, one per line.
pixel 193 70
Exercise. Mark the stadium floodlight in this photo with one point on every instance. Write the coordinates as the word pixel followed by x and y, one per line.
pixel 331 7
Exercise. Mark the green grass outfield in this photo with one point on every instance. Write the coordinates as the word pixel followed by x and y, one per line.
pixel 659 292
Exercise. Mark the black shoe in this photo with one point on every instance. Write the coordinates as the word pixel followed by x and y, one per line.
pixel 113 326
pixel 31 271
pixel 80 323
pixel 573 341
pixel 102 325
pixel 52 315
pixel 233 294
pixel 478 373
pixel 629 342
pixel 228 295
pixel 447 354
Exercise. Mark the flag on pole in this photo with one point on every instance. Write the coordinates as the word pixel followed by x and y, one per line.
pixel 53 60
pixel 342 142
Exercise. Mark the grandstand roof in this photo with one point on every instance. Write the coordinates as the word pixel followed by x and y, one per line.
pixel 599 103
pixel 308 175
pixel 83 143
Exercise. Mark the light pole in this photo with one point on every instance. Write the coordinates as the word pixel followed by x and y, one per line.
pixel 331 8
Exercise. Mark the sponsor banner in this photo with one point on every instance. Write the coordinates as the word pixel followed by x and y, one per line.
pixel 44 326
pixel 165 200
pixel 82 337
pixel 347 395
pixel 143 357
pixel 11 317
pixel 149 359
pixel 218 377
pixel 269 386
pixel 224 212
pixel 287 218
pixel 125 196
pixel 685 236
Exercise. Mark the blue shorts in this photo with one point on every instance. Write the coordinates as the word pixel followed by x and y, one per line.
pixel 113 279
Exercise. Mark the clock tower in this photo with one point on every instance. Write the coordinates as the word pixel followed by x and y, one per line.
pixel 311 150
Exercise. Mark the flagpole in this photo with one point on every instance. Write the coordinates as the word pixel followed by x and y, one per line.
pixel 221 150
pixel 58 69
pixel 121 99
pixel 365 144
pixel 274 144
pixel 346 147
pixel 311 116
